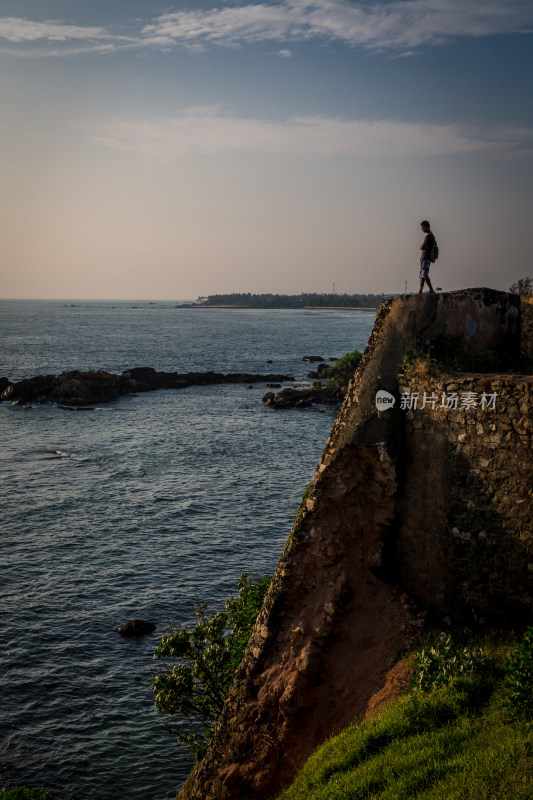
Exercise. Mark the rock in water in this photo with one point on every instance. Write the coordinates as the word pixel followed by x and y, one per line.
pixel 136 627
pixel 77 388
pixel 304 398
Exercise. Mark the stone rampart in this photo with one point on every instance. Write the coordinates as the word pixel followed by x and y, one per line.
pixel 464 540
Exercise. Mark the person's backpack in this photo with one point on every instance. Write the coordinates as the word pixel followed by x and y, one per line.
pixel 434 253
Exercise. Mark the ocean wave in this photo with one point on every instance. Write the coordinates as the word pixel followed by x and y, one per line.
pixel 66 455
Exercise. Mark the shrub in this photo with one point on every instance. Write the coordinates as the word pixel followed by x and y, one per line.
pixel 416 361
pixel 436 666
pixel 203 662
pixel 519 669
pixel 343 369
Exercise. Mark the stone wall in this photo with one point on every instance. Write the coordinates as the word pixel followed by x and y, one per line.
pixel 526 347
pixel 464 542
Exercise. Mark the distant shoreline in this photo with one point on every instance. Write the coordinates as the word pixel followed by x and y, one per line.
pixel 310 301
pixel 283 308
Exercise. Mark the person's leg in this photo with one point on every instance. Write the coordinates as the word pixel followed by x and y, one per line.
pixel 424 276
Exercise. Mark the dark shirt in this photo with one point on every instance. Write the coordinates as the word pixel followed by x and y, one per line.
pixel 429 244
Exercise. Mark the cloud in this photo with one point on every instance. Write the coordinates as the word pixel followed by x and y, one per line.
pixel 284 53
pixel 208 131
pixel 398 25
pixel 24 37
pixel 22 30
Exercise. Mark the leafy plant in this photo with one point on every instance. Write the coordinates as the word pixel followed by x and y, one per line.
pixel 519 668
pixel 343 369
pixel 436 666
pixel 413 360
pixel 203 661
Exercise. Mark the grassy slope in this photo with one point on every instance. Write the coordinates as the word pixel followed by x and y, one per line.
pixel 450 743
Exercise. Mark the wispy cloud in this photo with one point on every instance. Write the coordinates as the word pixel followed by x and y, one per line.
pixel 400 25
pixel 208 131
pixel 60 38
pixel 22 30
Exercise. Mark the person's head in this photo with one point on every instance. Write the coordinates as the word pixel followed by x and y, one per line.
pixel 425 226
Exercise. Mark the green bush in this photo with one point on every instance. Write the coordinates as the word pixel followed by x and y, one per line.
pixel 23 793
pixel 343 369
pixel 203 661
pixel 519 669
pixel 436 666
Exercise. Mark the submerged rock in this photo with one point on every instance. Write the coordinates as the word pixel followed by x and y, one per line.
pixel 135 628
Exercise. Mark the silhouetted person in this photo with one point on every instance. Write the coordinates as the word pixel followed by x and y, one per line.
pixel 426 256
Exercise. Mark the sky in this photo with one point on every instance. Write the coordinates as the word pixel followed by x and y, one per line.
pixel 175 150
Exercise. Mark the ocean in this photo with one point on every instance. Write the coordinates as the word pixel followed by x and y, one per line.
pixel 133 510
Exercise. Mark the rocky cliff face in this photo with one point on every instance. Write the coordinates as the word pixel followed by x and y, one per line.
pixel 407 509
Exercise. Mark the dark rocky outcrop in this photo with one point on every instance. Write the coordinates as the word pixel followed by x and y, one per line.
pixel 76 388
pixel 135 628
pixel 320 372
pixel 303 398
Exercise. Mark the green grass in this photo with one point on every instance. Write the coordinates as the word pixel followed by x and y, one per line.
pixel 454 742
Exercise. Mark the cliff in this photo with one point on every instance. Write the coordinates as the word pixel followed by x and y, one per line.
pixel 423 505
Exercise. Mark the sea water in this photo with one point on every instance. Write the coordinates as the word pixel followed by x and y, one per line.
pixel 134 509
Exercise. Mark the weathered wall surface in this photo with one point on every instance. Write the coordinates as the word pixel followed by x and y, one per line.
pixel 402 501
pixel 464 542
pixel 526 347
